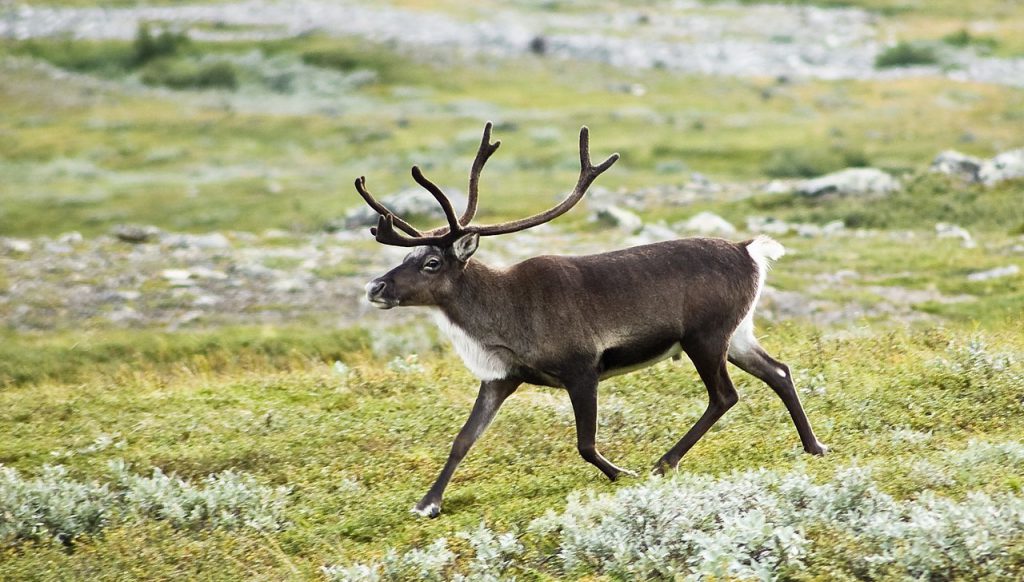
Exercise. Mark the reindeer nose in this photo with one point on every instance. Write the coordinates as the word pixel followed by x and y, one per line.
pixel 375 288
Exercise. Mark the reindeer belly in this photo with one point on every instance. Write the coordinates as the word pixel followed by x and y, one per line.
pixel 485 363
pixel 634 356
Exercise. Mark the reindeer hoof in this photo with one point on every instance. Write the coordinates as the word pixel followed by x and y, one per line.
pixel 661 468
pixel 626 472
pixel 817 449
pixel 430 510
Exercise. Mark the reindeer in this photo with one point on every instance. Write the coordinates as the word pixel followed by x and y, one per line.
pixel 571 321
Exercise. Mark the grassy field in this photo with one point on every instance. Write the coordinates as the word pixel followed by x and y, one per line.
pixel 295 452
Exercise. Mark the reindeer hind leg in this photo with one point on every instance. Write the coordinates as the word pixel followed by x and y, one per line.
pixel 747 354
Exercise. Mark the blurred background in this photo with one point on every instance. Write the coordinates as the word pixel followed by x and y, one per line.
pixel 232 132
pixel 183 254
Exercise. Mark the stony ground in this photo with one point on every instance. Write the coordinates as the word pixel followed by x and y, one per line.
pixel 174 279
pixel 743 41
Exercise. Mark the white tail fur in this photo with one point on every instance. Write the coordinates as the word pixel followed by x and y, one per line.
pixel 763 250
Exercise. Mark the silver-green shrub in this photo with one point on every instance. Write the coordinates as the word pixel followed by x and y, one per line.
pixel 51 506
pixel 493 555
pixel 761 526
pixel 228 500
pixel 430 563
pixel 55 506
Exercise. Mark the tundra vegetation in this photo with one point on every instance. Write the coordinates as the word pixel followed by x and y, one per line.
pixel 214 446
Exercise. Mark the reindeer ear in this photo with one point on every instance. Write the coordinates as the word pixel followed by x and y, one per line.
pixel 465 246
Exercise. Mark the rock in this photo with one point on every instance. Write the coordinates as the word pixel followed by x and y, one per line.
pixel 206 273
pixel 206 301
pixel 211 241
pixel 998 272
pixel 177 277
pixel 956 164
pixel 125 316
pixel 840 277
pixel 708 223
pixel 70 238
pixel 777 187
pixel 16 245
pixel 652 233
pixel 850 182
pixel 135 234
pixel 808 230
pixel 833 227
pixel 1006 166
pixel 288 285
pixel 945 230
pixel 767 225
pixel 619 218
pixel 407 204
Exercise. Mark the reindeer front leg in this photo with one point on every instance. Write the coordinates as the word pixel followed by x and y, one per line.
pixel 583 395
pixel 490 398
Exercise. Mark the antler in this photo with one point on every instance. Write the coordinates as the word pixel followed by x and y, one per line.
pixel 383 210
pixel 482 155
pixel 588 173
pixel 385 231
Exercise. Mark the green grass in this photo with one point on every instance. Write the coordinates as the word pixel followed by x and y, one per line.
pixel 36 358
pixel 388 431
pixel 184 165
pixel 923 201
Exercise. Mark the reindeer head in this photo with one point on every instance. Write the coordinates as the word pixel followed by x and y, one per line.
pixel 428 273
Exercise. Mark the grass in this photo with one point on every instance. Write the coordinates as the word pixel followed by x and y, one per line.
pixel 383 435
pixel 106 157
pixel 925 200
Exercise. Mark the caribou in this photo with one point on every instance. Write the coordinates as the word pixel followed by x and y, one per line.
pixel 571 321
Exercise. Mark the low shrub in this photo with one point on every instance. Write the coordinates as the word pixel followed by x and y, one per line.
pixel 906 54
pixel 181 74
pixel 492 557
pixel 52 506
pixel 809 163
pixel 963 38
pixel 107 58
pixel 57 507
pixel 762 525
pixel 148 47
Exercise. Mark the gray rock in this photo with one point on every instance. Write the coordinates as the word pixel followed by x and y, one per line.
pixel 409 203
pixel 946 230
pixel 998 272
pixel 70 238
pixel 177 277
pixel 207 273
pixel 850 182
pixel 958 165
pixel 1006 166
pixel 619 218
pixel 135 234
pixel 807 230
pixel 652 233
pixel 211 241
pixel 708 223
pixel 16 245
pixel 778 187
pixel 833 227
pixel 288 285
pixel 767 225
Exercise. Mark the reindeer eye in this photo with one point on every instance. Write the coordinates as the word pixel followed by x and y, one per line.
pixel 432 264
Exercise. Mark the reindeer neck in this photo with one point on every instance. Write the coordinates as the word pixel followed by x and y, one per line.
pixel 476 296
